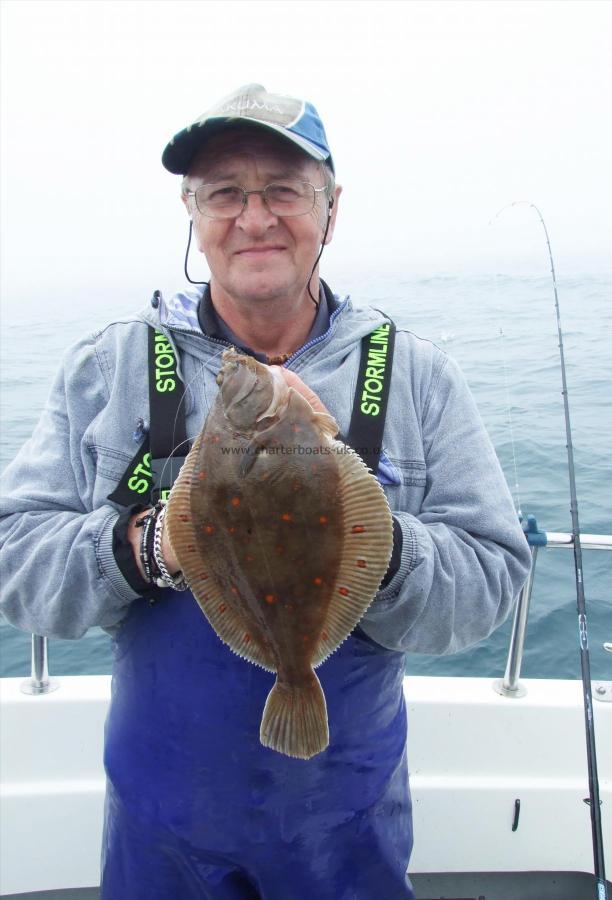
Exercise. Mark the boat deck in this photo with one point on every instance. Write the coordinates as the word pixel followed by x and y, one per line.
pixel 456 886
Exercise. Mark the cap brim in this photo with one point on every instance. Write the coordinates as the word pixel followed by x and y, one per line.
pixel 179 153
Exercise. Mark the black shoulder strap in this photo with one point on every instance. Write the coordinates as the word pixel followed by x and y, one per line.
pixel 167 435
pixel 372 394
pixel 152 471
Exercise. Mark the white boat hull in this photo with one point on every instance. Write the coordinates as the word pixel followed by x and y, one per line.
pixel 472 754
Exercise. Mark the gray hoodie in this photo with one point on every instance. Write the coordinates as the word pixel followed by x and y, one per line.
pixel 464 555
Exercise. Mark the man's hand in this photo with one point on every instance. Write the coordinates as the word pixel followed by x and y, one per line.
pixel 134 534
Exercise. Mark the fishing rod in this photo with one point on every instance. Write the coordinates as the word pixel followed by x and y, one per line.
pixel 585 665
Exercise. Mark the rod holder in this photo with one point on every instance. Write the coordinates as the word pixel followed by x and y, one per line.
pixel 39 681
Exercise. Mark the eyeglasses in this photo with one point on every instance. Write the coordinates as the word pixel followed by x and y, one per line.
pixel 224 200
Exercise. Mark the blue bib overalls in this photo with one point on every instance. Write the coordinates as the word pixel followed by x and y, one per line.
pixel 196 808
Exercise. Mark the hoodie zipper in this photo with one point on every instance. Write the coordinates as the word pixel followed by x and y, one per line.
pixel 307 346
pixel 321 337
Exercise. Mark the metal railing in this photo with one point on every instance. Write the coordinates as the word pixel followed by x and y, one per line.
pixel 510 685
pixel 39 681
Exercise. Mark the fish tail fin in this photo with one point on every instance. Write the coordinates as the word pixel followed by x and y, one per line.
pixel 294 720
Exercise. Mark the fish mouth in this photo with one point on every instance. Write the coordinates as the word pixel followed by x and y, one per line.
pixel 231 362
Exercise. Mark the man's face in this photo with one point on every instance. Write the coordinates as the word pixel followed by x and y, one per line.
pixel 258 255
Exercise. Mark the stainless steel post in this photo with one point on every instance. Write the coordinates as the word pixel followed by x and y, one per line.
pixel 39 682
pixel 509 685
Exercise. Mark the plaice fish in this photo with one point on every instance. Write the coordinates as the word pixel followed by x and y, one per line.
pixel 283 535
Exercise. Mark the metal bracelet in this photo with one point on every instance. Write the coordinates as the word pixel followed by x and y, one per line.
pixel 166 580
pixel 147 523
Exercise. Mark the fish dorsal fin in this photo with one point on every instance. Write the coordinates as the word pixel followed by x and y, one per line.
pixel 367 546
pixel 215 604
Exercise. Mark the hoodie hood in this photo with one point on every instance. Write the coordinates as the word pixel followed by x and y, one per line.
pixel 178 318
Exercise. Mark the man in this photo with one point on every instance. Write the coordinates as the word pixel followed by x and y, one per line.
pixel 196 807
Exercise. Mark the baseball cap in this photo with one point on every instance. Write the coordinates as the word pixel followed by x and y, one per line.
pixel 294 120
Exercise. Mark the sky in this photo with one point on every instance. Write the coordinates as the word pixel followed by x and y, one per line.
pixel 438 114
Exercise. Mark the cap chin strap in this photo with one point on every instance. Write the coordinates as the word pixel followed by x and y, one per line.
pixel 327 224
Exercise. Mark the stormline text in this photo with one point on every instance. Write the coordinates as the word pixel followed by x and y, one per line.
pixel 374 376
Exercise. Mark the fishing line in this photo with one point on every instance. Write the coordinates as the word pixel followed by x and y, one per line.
pixel 585 666
pixel 188 385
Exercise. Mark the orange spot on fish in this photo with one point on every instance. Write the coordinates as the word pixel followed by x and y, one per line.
pixel 202 474
pixel 362 563
pixel 344 591
pixel 296 429
pixel 287 517
pixel 324 635
pixel 184 518
pixel 249 558
pixel 231 530
pixel 235 501
pixel 305 637
pixel 247 638
pixel 234 589
pixel 208 529
pixel 358 529
pixel 270 598
pixel 203 576
pixel 323 520
pixel 222 607
pixel 318 581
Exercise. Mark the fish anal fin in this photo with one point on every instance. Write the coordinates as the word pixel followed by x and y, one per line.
pixel 366 549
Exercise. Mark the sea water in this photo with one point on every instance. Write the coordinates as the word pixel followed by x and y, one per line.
pixel 502 331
